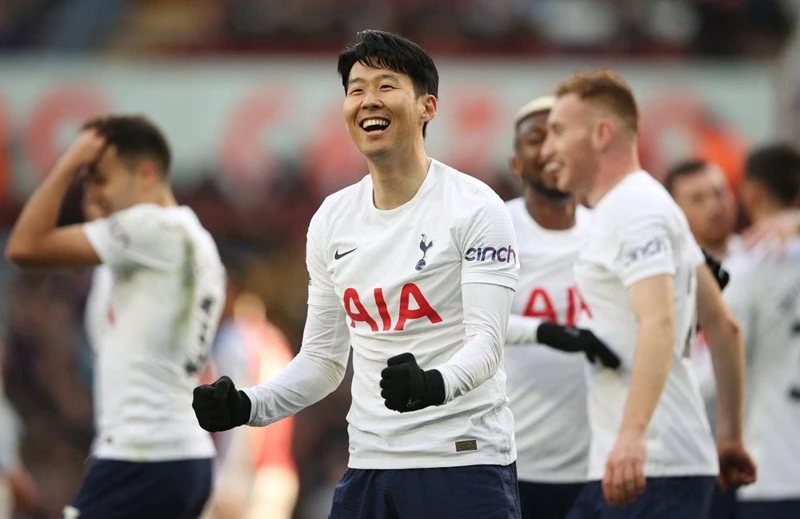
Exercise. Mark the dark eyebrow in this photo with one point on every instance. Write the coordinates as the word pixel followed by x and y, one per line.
pixel 385 75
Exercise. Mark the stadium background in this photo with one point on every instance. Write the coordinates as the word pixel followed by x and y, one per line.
pixel 248 94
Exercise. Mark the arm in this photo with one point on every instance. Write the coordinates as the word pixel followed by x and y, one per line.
pixel 651 300
pixel 35 241
pixel 521 330
pixel 486 310
pixel 727 354
pixel 314 373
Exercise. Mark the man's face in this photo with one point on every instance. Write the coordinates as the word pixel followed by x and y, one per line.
pixel 383 112
pixel 568 148
pixel 527 161
pixel 110 186
pixel 707 202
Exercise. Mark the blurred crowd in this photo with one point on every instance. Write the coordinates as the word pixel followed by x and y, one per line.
pixel 630 27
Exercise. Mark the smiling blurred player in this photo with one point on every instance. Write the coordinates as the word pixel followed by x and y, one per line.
pixel 415 266
pixel 644 281
pixel 546 386
pixel 764 294
pixel 154 308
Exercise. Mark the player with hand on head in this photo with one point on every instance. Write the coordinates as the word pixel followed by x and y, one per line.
pixel 546 386
pixel 645 282
pixel 153 310
pixel 415 266
pixel 764 295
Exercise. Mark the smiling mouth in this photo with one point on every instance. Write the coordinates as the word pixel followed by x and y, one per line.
pixel 552 167
pixel 375 125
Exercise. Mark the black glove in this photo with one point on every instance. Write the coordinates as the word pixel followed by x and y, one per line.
pixel 406 387
pixel 720 273
pixel 220 406
pixel 566 338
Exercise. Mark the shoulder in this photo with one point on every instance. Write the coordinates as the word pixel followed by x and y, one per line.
pixel 462 187
pixel 142 219
pixel 637 201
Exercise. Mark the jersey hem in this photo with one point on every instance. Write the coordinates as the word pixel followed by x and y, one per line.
pixel 416 462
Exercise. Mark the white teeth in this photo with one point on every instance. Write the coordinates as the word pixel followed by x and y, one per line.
pixel 552 167
pixel 375 122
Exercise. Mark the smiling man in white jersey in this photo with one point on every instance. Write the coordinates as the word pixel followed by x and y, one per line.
pixel 154 310
pixel 414 266
pixel 547 388
pixel 764 294
pixel 643 278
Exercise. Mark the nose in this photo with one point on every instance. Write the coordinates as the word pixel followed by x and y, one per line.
pixel 371 99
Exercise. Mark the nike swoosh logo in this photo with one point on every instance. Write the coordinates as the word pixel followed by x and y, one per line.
pixel 342 255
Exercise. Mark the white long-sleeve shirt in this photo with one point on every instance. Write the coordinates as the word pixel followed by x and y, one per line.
pixel 434 277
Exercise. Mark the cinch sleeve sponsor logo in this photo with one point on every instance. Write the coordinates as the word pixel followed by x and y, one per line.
pixel 653 247
pixel 501 255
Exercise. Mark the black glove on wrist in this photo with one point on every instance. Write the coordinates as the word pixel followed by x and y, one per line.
pixel 566 338
pixel 407 387
pixel 720 273
pixel 220 406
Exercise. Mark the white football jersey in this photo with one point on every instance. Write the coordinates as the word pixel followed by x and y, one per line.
pixel 546 387
pixel 398 274
pixel 638 232
pixel 152 313
pixel 764 295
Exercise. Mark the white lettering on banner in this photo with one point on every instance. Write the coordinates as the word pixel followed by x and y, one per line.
pixel 243 118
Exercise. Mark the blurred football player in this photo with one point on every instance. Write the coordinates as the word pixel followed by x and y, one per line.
pixel 701 191
pixel 151 317
pixel 764 294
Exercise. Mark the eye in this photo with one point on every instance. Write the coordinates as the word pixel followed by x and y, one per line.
pixel 355 91
pixel 387 87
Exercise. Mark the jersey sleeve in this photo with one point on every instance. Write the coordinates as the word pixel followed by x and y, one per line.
pixel 312 375
pixel 320 284
pixel 486 311
pixel 488 246
pixel 645 249
pixel 136 238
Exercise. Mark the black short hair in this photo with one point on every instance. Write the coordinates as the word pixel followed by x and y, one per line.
pixel 135 138
pixel 682 169
pixel 380 49
pixel 776 167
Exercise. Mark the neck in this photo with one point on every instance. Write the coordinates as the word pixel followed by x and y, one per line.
pixel 614 166
pixel 548 213
pixel 396 180
pixel 163 197
pixel 717 249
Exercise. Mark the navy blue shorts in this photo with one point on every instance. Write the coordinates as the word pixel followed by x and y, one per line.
pixel 789 509
pixel 723 504
pixel 477 491
pixel 664 498
pixel 547 500
pixel 151 490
